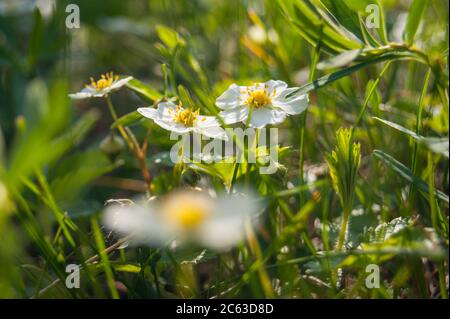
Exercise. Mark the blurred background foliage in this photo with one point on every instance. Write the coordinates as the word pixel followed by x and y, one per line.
pixel 55 178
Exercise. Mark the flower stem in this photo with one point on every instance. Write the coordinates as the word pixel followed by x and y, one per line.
pixel 133 145
pixel 236 166
pixel 343 230
pixel 312 71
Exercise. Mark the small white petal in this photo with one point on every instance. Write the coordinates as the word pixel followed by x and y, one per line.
pixel 143 222
pixel 213 132
pixel 293 105
pixel 234 115
pixel 173 126
pixel 119 83
pixel 226 227
pixel 277 85
pixel 207 121
pixel 85 93
pixel 264 116
pixel 80 95
pixel 166 111
pixel 148 112
pixel 230 98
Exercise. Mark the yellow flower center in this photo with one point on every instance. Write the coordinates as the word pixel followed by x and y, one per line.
pixel 187 117
pixel 187 210
pixel 258 98
pixel 105 81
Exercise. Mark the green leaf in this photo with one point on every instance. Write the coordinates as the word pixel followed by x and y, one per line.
pixel 435 144
pixel 358 5
pixel 382 29
pixel 329 78
pixel 36 38
pixel 130 268
pixel 339 61
pixel 127 119
pixel 169 37
pixel 144 91
pixel 2 147
pixel 185 97
pixel 220 170
pixel 316 29
pixel 384 231
pixel 416 11
pixel 407 174
pixel 343 163
pixel 398 127
pixel 345 16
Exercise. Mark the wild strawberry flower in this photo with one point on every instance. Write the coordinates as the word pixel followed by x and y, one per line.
pixel 182 120
pixel 190 216
pixel 106 84
pixel 269 102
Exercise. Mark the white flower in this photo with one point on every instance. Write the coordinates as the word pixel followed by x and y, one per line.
pixel 183 120
pixel 105 85
pixel 185 216
pixel 270 103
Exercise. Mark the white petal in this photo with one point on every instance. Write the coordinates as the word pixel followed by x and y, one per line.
pixel 272 85
pixel 143 222
pixel 85 93
pixel 166 110
pixel 293 105
pixel 148 112
pixel 264 116
pixel 173 126
pixel 80 95
pixel 207 121
pixel 230 98
pixel 226 227
pixel 235 115
pixel 213 132
pixel 119 83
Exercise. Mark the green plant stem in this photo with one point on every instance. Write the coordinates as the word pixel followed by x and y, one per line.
pixel 434 221
pixel 419 118
pixel 256 250
pixel 120 128
pixel 133 145
pixel 249 165
pixel 343 230
pixel 236 166
pixel 369 95
pixel 312 71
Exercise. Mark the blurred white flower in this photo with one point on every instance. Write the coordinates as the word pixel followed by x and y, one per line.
pixel 185 216
pixel 181 120
pixel 270 103
pixel 106 84
pixel 257 34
